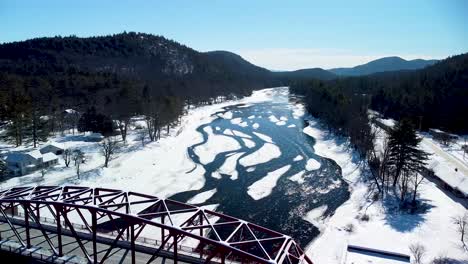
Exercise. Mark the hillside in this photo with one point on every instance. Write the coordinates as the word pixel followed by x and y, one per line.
pixel 433 97
pixel 151 59
pixel 383 65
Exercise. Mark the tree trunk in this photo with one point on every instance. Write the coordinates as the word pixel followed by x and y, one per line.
pixel 34 128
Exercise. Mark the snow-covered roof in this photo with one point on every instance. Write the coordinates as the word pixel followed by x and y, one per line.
pixel 54 144
pixel 15 157
pixel 18 157
pixel 49 156
pixel 70 111
pixel 35 154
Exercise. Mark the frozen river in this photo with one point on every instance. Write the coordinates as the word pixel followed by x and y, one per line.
pixel 264 168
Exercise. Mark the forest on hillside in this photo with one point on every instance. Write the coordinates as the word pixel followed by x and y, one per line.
pixel 434 97
pixel 113 78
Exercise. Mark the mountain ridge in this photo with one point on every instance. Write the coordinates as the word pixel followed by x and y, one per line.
pixel 385 64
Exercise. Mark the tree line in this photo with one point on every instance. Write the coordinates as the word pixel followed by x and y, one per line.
pixel 396 169
pixel 109 79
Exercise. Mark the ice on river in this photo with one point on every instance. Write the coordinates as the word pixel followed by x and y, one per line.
pixel 312 164
pixel 216 144
pixel 263 187
pixel 264 154
pixel 229 166
pixel 263 137
pixel 202 197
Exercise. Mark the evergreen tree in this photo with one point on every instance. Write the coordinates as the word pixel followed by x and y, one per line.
pixel 405 156
pixel 3 169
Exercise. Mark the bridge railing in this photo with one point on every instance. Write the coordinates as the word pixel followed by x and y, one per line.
pixel 142 239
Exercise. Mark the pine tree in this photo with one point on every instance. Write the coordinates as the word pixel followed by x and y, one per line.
pixel 405 158
pixel 3 169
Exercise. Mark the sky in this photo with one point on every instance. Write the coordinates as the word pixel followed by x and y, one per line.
pixel 278 35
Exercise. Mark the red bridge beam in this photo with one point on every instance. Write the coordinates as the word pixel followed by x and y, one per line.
pixel 132 215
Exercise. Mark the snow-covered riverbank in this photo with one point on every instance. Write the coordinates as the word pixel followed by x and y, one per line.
pixel 386 228
pixel 161 168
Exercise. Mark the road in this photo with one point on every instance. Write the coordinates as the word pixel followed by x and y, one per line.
pixel 456 163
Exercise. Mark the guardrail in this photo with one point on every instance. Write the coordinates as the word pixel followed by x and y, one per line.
pixel 36 254
pixel 111 234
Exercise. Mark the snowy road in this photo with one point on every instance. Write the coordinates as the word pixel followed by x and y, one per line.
pixel 456 163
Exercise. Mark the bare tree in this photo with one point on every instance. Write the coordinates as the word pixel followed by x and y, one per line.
pixel 43 172
pixel 78 158
pixel 122 124
pixel 67 157
pixel 461 222
pixel 416 180
pixel 142 136
pixel 108 148
pixel 418 251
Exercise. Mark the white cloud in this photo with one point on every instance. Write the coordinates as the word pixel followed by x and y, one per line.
pixel 293 59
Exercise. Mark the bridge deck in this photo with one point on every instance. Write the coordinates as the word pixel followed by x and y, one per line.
pixel 71 249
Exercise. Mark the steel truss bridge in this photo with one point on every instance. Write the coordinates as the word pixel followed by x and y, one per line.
pixel 94 224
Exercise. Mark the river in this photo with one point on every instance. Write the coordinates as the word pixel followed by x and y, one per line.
pixel 304 180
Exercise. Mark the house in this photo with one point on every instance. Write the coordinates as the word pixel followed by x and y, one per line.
pixel 24 163
pixel 355 254
pixel 438 134
pixel 49 159
pixel 55 148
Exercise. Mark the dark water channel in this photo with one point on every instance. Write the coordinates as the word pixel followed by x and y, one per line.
pixel 284 209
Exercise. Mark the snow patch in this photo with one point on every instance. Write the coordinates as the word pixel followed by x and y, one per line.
pixel 229 166
pixel 264 154
pixel 298 158
pixel 298 177
pixel 202 197
pixel 281 123
pixel 248 143
pixel 263 187
pixel 263 137
pixel 312 164
pixel 216 144
pixel 273 119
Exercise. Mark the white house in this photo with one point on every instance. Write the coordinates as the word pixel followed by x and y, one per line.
pixel 49 159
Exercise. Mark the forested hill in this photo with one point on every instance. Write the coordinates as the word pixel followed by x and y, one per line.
pixel 115 77
pixel 383 65
pixel 437 95
pixel 159 62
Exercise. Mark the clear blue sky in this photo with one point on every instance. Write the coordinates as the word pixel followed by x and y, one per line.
pixel 275 34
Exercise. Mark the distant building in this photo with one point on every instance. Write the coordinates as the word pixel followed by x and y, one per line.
pixel 55 148
pixel 357 255
pixel 49 159
pixel 438 134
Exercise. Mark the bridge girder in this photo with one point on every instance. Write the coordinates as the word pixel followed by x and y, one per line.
pixel 130 216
